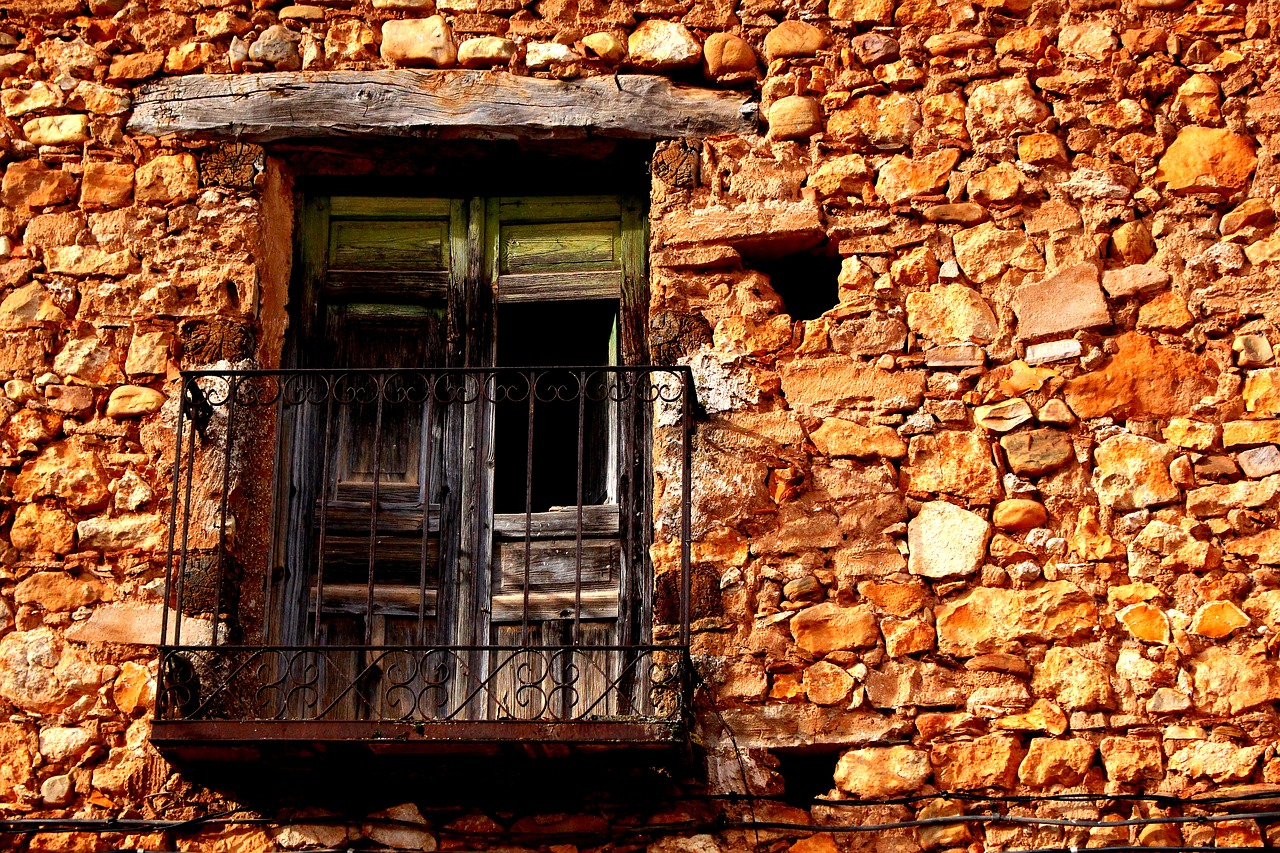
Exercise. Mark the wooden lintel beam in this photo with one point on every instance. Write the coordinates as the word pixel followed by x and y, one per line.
pixel 449 104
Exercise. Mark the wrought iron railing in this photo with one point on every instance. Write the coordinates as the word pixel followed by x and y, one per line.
pixel 429 545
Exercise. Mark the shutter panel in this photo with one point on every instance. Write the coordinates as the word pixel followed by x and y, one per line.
pixel 559 249
pixel 384 299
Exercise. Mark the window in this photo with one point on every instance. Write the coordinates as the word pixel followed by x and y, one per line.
pixel 448 503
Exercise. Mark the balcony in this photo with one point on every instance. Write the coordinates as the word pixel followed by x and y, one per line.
pixel 410 560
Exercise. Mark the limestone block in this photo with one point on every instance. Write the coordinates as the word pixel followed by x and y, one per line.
pixel 658 45
pixel 278 46
pixel 1050 761
pixel 30 183
pixel 795 117
pixel 41 527
pixel 882 771
pixel 106 184
pixel 839 437
pixel 951 462
pixel 38 96
pixel 1218 619
pixel 128 401
pixel 127 532
pixel 949 313
pixel 1225 683
pixel 611 49
pixel 57 130
pixel 148 353
pixel 29 305
pixel 1132 759
pixel 42 674
pixel 350 39
pixel 419 41
pixel 861 11
pixel 946 541
pixel 486 52
pixel 137 624
pixel 1019 514
pixel 1146 622
pixel 984 252
pixel 1144 379
pixel 878 123
pixel 1004 108
pixel 827 684
pixel 89 260
pixel 68 471
pixel 828 627
pixel 1207 159
pixel 727 59
pixel 59 744
pixel 1074 681
pixel 1069 300
pixel 1133 472
pixel 16 761
pixel 167 179
pixel 989 619
pixel 990 761
pixel 792 39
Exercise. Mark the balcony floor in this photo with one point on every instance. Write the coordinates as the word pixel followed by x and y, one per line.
pixel 211 740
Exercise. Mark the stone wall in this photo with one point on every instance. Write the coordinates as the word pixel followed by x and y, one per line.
pixel 1001 516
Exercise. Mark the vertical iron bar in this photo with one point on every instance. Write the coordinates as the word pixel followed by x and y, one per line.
pixel 232 383
pixel 322 544
pixel 277 486
pixel 528 510
pixel 686 519
pixel 379 388
pixel 186 532
pixel 577 579
pixel 169 591
pixel 427 451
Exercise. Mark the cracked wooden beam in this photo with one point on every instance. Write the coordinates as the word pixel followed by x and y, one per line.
pixel 445 104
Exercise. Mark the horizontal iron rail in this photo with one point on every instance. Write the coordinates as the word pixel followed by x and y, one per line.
pixel 680 369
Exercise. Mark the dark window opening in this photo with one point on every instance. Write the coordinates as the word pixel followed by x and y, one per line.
pixel 577 333
pixel 806 775
pixel 807 282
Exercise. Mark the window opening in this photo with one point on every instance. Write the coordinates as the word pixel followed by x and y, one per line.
pixel 807 282
pixel 572 333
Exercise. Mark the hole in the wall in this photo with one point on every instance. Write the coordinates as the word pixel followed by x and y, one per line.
pixel 806 774
pixel 807 282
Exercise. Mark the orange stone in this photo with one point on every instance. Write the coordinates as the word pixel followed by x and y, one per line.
pixel 1143 380
pixel 1207 159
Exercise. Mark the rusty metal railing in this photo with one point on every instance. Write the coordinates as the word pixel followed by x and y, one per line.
pixel 429 544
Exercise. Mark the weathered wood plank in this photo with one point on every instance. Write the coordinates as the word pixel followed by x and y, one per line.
pixel 377 244
pixel 388 599
pixel 413 102
pixel 558 524
pixel 596 604
pixel 551 286
pixel 553 564
pixel 556 246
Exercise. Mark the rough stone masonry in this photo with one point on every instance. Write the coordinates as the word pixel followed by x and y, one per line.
pixel 1001 518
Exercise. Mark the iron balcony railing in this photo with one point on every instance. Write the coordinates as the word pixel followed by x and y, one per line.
pixel 429 546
